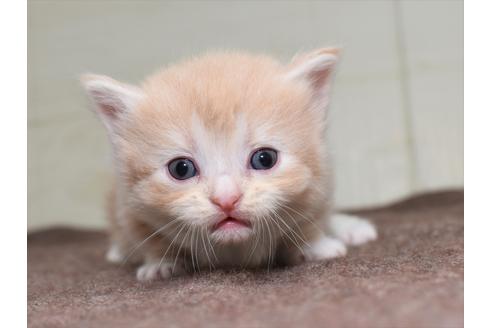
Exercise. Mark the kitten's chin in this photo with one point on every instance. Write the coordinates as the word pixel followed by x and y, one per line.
pixel 231 230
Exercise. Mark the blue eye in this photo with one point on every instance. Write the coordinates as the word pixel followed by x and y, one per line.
pixel 182 168
pixel 263 159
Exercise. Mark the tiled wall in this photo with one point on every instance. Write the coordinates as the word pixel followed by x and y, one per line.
pixel 396 117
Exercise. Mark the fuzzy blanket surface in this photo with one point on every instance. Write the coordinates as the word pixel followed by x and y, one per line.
pixel 412 276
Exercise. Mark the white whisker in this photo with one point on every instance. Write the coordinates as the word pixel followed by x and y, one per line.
pixel 252 251
pixel 291 229
pixel 297 225
pixel 134 249
pixel 302 216
pixel 180 246
pixel 172 242
pixel 212 248
pixel 205 250
pixel 270 241
pixel 292 239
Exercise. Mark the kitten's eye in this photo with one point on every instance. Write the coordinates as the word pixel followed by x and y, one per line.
pixel 182 168
pixel 264 159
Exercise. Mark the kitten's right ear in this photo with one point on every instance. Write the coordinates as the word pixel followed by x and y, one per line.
pixel 113 99
pixel 316 68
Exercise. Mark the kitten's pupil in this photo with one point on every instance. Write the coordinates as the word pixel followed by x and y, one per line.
pixel 265 159
pixel 182 168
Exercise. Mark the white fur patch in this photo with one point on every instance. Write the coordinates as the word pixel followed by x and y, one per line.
pixel 225 187
pixel 324 248
pixel 157 270
pixel 352 230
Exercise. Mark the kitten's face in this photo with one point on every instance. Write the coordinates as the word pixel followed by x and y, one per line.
pixel 228 145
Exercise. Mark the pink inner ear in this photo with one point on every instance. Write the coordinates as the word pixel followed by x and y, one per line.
pixel 109 111
pixel 316 71
pixel 319 79
pixel 108 106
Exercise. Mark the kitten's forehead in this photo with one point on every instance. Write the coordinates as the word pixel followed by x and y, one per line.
pixel 216 86
pixel 220 151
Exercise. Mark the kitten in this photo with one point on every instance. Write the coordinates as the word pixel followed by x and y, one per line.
pixel 221 161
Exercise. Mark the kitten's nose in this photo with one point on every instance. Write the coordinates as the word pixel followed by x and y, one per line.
pixel 226 193
pixel 226 203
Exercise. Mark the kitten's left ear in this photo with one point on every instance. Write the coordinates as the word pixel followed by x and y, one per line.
pixel 316 68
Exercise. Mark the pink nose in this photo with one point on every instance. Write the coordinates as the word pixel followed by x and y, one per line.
pixel 226 202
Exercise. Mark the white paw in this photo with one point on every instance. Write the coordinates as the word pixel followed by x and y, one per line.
pixel 114 254
pixel 352 230
pixel 324 248
pixel 157 270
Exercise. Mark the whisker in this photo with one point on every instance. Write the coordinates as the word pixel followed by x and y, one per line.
pixel 297 225
pixel 196 252
pixel 212 248
pixel 134 249
pixel 252 251
pixel 183 225
pixel 292 239
pixel 290 228
pixel 270 240
pixel 192 249
pixel 180 246
pixel 205 249
pixel 302 216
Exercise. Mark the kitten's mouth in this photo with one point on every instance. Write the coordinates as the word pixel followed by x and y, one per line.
pixel 230 223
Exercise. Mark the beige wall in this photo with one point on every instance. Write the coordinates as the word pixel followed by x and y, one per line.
pixel 397 113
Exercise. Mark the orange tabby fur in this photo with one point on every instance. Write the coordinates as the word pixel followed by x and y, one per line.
pixel 217 109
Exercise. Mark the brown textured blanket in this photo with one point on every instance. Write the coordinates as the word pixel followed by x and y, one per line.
pixel 411 277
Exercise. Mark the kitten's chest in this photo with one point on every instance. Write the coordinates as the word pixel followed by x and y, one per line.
pixel 247 255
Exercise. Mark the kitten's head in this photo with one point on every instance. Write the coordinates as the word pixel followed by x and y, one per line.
pixel 227 143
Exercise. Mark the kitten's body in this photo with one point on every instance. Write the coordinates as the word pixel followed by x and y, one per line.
pixel 218 111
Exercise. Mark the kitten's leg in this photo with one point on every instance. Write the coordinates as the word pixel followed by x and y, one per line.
pixel 352 230
pixel 118 248
pixel 155 266
pixel 324 248
pixel 115 254
pixel 154 269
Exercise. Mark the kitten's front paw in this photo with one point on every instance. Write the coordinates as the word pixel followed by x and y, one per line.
pixel 324 248
pixel 157 270
pixel 352 230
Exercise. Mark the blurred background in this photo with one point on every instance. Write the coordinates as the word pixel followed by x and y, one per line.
pixel 397 108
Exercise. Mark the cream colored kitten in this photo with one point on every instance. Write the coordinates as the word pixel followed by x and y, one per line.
pixel 221 161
